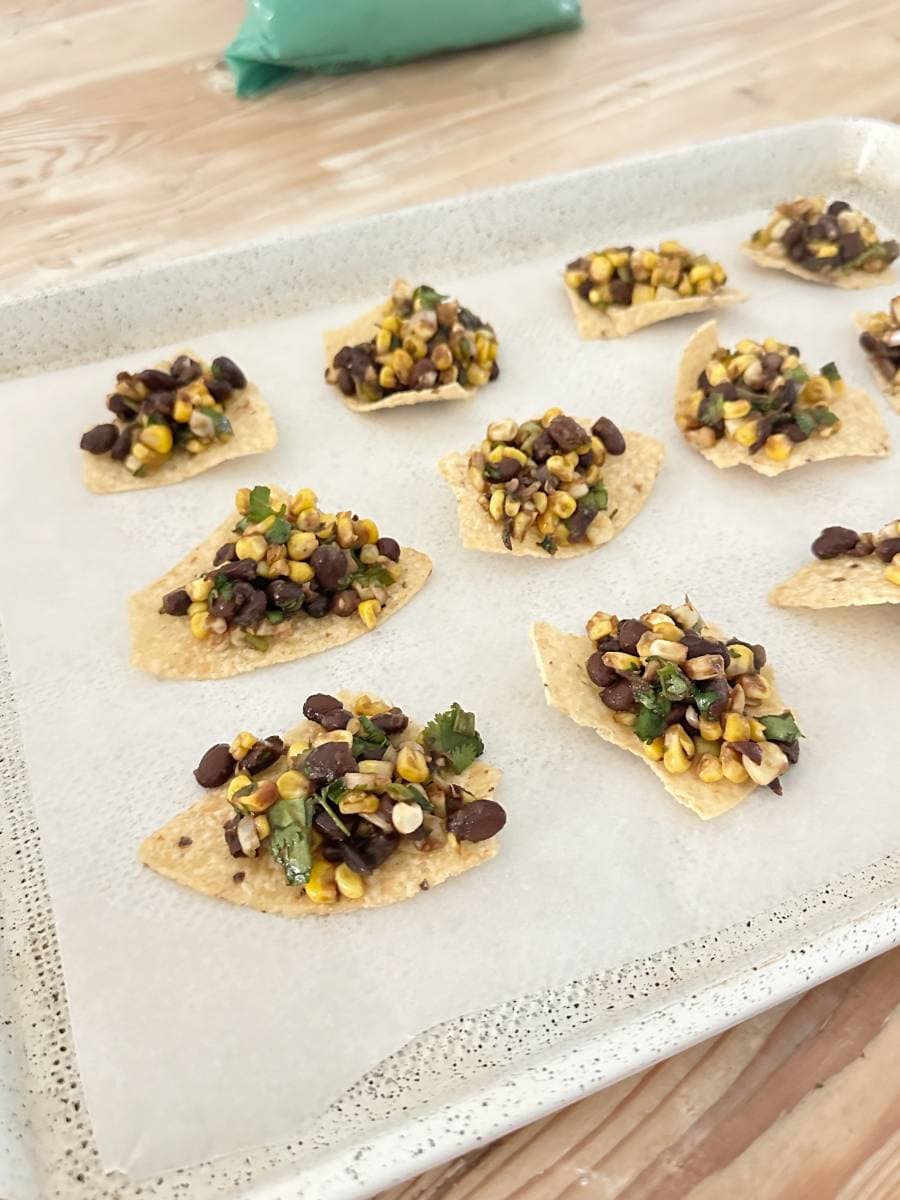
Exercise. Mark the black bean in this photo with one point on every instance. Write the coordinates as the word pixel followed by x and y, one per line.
pixel 241 569
pixel 331 852
pixel 834 540
pixel 794 432
pixel 345 603
pixel 224 368
pixel 504 470
pixel 219 389
pixel 619 696
pixel 337 718
pixel 698 646
pixel 609 434
pixel 610 643
pixel 750 749
pixel 567 433
pixel 836 207
pixel 372 753
pixel 579 521
pixel 585 460
pixel 122 447
pixel 327 826
pixel 222 606
pixel 330 565
pixel 251 607
pixel 675 715
pixel 793 234
pixel 630 633
pixel 772 361
pixel 100 439
pixel 598 672
pixel 389 548
pixel 621 290
pixel 797 251
pixel 495 371
pixel 394 721
pixel 825 229
pixel 790 749
pixel 120 405
pixel 371 852
pixel 328 762
pixel 477 821
pixel 719 684
pixel 850 245
pixel 887 548
pixel 285 594
pixel 216 767
pixel 345 382
pixel 159 403
pixel 176 604
pixel 157 381
pixel 185 369
pixel 319 703
pixel 543 447
pixel 759 656
pixel 262 755
pixel 870 343
pixel 318 606
pixel 585 289
pixel 226 553
pixel 423 375
pixel 232 841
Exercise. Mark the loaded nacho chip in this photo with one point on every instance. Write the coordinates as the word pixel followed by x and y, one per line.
pixel 619 290
pixel 174 421
pixel 760 406
pixel 850 569
pixel 553 485
pixel 277 580
pixel 419 345
pixel 880 338
pixel 701 711
pixel 825 242
pixel 356 808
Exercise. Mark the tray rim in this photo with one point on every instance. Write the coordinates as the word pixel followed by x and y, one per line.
pixel 775 978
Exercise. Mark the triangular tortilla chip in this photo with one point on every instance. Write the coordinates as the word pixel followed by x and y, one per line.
pixel 363 329
pixel 254 432
pixel 204 863
pixel 842 582
pixel 890 387
pixel 164 646
pixel 619 321
pixel 561 659
pixel 628 478
pixel 862 430
pixel 853 281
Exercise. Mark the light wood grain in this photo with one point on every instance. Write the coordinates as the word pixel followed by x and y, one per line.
pixel 121 143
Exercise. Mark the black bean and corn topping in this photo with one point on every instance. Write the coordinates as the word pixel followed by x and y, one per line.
pixel 690 697
pixel 825 237
pixel 159 412
pixel 623 276
pixel 761 396
pixel 284 564
pixel 427 340
pixel 836 541
pixel 881 341
pixel 331 809
pixel 547 474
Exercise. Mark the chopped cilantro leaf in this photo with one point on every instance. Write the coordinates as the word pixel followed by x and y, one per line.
pixel 289 841
pixel 274 616
pixel 281 530
pixel 704 699
pixel 221 424
pixel 223 587
pixel 453 734
pixel 781 727
pixel 370 737
pixel 712 409
pixel 547 543
pixel 427 297
pixel 831 373
pixel 653 708
pixel 372 575
pixel 260 505
pixel 797 374
pixel 258 643
pixel 673 684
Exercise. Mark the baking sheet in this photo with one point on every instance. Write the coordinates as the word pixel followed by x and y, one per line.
pixel 160 1041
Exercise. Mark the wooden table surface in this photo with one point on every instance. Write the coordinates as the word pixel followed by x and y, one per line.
pixel 120 142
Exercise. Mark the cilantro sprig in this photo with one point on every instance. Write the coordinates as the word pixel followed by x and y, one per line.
pixel 453 734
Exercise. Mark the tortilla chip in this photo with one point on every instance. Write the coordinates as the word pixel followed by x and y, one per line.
pixel 561 659
pixel 164 646
pixel 205 864
pixel 628 478
pixel 618 321
pixel 862 430
pixel 890 387
pixel 363 329
pixel 842 582
pixel 254 432
pixel 849 280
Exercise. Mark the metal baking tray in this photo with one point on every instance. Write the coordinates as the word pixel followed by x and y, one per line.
pixel 472 1080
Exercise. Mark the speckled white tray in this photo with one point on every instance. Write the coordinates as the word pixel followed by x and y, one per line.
pixel 469 1081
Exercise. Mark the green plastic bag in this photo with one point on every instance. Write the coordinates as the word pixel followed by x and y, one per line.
pixel 330 37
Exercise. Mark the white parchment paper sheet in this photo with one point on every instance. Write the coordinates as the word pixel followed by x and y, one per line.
pixel 202 1028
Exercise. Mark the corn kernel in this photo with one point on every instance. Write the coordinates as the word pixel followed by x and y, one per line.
pixel 387 377
pixel 304 499
pixel 392 323
pixel 300 572
pixel 716 373
pixel 142 453
pixel 411 765
pixel 158 438
pixel 643 293
pixel 499 452
pixel 199 589
pixel 550 415
pixel 242 744
pixel 710 731
pixel 737 728
pixel 778 447
pixel 198 606
pixel 757 730
pixel 344 531
pixel 292 785
pixel 358 802
pixel 892 573
pixel 194 446
pixel 237 784
pixel 654 750
pixel 370 706
pixel 368 531
pixel 735 408
pixel 368 613
pixel 297 750
pixel 600 269
pixel 351 885
pixel 557 465
pixel 700 272
pixel 497 503
pixel 200 625
pixel 383 340
pixel 263 828
pixel 679 749
pixel 732 767
pixel 547 522
pixel 740 660
pixel 576 278
pixel 242 500
pixel 562 504
pixel 182 411
pixel 321 887
pixel 254 547
pixel 402 363
pixel 746 434
pixel 602 625
pixel 709 768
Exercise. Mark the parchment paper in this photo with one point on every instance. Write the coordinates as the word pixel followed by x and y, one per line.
pixel 202 1028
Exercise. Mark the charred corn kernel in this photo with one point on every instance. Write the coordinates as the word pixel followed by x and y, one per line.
pixel 304 499
pixel 618 660
pixel 600 269
pixel 368 531
pixel 678 751
pixel 654 750
pixel 892 573
pixel 735 408
pixel 716 373
pixel 497 504
pixel 142 453
pixel 344 531
pixel 381 767
pixel 709 768
pixel 511 506
pixel 254 547
pixel 737 728
pixel 182 411
pixel 602 625
pixel 576 278
pixel 368 613
pixel 242 500
pixel 663 626
pixel 358 802
pixel 383 339
pixel 321 887
pixel 699 272
pixel 757 730
pixel 351 885
pixel 411 765
pixel 476 376
pixel 756 687
pixel 740 661
pixel 710 731
pixel 547 522
pixel 414 346
pixel 370 706
pixel 263 828
pixel 200 625
pixel 237 784
pixel 732 767
pixel 502 431
pixel 158 438
pixel 816 390
pixel 562 504
pixel 643 293
pixel 260 799
pixel 292 785
pixel 300 572
pixel 558 466
pixel 300 545
pixel 550 415
pixel 745 435
pixel 499 452
pixel 442 356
